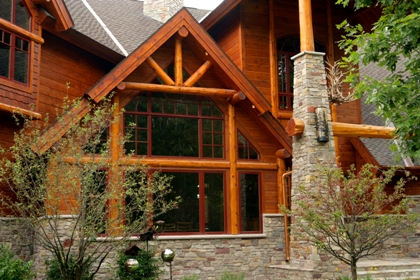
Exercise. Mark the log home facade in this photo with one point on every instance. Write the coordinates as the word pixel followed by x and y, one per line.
pixel 211 96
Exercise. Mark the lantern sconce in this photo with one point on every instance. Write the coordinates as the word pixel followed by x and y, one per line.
pixel 321 124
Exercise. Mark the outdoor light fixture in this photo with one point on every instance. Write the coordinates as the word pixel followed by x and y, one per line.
pixel 131 265
pixel 168 255
pixel 321 124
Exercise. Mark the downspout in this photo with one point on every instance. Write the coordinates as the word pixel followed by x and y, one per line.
pixel 286 223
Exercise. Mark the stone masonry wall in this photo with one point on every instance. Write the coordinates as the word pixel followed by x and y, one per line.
pixel 11 229
pixel 310 92
pixel 209 257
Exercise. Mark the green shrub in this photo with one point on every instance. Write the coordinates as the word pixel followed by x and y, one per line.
pixel 54 272
pixel 232 276
pixel 148 267
pixel 12 268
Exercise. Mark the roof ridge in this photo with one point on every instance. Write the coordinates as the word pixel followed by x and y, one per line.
pixel 103 25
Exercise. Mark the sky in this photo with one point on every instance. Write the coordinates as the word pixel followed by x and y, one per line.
pixel 202 4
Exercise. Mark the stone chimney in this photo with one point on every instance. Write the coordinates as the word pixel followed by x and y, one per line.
pixel 162 10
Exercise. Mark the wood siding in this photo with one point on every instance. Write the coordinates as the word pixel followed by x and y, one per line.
pixel 62 64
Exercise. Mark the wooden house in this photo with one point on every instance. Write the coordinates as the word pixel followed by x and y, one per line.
pixel 221 86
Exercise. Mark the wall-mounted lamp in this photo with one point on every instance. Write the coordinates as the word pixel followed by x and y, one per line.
pixel 321 124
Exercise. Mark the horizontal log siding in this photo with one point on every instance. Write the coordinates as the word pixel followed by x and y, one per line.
pixel 64 63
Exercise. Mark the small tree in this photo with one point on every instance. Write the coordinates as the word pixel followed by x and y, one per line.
pixel 79 199
pixel 350 216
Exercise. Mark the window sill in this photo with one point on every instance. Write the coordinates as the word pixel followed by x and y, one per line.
pixel 15 85
pixel 194 236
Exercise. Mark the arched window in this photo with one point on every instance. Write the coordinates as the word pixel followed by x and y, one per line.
pixel 14 50
pixel 287 47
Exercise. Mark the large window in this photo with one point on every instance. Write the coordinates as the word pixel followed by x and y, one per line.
pixel 202 209
pixel 250 202
pixel 14 50
pixel 161 124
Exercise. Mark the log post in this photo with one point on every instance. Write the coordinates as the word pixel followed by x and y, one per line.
pixel 274 79
pixel 295 127
pixel 178 61
pixel 305 24
pixel 233 186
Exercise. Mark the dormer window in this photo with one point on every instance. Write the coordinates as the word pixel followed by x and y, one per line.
pixel 14 49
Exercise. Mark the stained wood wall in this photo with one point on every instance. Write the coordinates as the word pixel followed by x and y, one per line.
pixel 64 63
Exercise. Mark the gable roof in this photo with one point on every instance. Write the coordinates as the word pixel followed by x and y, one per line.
pixel 203 45
pixel 118 25
pixel 377 148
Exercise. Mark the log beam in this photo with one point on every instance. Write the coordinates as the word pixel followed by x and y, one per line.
pixel 362 130
pixel 198 74
pixel 20 31
pixel 159 71
pixel 283 154
pixel 14 109
pixel 295 127
pixel 236 98
pixel 305 24
pixel 177 89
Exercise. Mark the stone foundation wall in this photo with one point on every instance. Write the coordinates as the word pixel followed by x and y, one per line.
pixel 209 257
pixel 11 230
pixel 404 245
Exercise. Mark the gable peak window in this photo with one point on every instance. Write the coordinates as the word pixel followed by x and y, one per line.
pixel 245 148
pixel 14 50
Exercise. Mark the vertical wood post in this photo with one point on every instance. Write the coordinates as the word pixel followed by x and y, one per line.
pixel 178 61
pixel 274 79
pixel 114 214
pixel 305 24
pixel 233 186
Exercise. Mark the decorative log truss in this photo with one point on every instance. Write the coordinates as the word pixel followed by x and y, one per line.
pixel 179 86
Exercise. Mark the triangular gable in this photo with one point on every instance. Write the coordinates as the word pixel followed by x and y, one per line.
pixel 182 20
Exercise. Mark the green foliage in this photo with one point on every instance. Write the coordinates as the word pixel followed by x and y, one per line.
pixel 232 276
pixel 395 35
pixel 77 178
pixel 192 277
pixel 339 212
pixel 148 270
pixel 54 271
pixel 226 276
pixel 12 268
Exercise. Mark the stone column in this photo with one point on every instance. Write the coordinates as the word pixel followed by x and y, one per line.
pixel 310 92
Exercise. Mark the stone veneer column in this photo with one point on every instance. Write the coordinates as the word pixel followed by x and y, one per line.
pixel 310 92
pixel 162 10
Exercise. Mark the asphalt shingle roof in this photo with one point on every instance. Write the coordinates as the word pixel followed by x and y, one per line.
pixel 124 19
pixel 379 148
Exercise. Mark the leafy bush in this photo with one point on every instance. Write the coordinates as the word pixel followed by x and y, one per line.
pixel 232 276
pixel 54 272
pixel 148 267
pixel 12 268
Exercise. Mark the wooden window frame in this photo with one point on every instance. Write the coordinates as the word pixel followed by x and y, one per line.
pixel 24 34
pixel 286 95
pixel 260 224
pixel 201 205
pixel 247 148
pixel 199 117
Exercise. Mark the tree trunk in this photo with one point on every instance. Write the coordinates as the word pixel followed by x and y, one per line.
pixel 353 268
